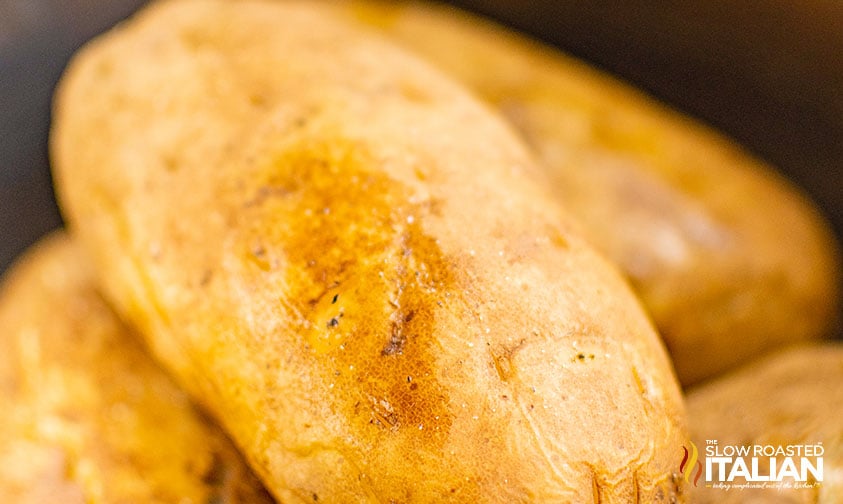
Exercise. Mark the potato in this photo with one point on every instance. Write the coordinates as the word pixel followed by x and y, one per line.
pixel 714 241
pixel 792 398
pixel 345 257
pixel 87 416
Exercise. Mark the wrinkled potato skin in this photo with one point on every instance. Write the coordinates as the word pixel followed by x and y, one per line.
pixel 792 397
pixel 715 242
pixel 87 416
pixel 339 252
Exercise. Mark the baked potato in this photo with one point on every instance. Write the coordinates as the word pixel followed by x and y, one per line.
pixel 794 397
pixel 348 260
pixel 714 241
pixel 88 417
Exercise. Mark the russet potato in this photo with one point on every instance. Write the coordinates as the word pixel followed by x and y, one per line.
pixel 348 260
pixel 88 417
pixel 729 258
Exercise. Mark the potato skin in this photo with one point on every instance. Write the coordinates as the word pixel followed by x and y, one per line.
pixel 341 254
pixel 792 397
pixel 715 242
pixel 87 415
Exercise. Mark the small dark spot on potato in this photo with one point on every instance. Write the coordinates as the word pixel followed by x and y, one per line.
pixel 334 300
pixel 334 322
pixel 315 497
pixel 215 474
pixel 581 357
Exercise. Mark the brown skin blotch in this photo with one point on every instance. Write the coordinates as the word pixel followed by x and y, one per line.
pixel 375 261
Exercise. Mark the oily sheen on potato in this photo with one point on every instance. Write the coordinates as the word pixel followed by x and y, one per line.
pixel 87 416
pixel 346 258
pixel 792 398
pixel 729 258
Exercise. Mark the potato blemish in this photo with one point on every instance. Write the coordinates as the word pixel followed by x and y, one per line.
pixel 368 281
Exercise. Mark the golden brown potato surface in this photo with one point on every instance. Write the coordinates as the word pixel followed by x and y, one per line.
pixel 87 417
pixel 715 242
pixel 341 253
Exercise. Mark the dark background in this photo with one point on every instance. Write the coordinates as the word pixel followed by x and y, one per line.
pixel 769 73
